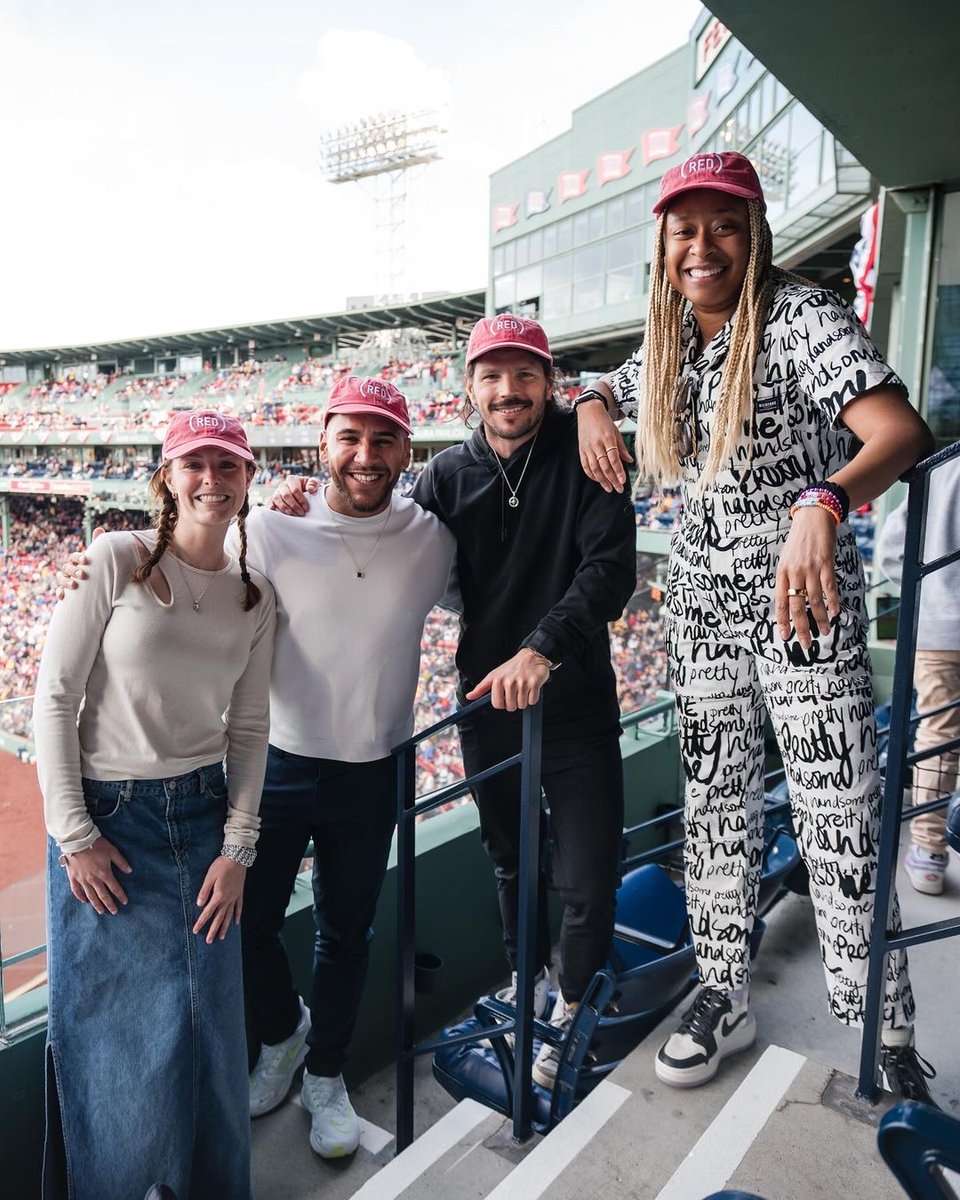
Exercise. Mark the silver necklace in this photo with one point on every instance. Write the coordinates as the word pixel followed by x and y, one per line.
pixel 514 500
pixel 183 575
pixel 361 568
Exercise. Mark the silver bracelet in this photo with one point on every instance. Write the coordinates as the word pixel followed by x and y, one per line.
pixel 246 856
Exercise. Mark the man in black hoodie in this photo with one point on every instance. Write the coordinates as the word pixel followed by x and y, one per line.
pixel 545 559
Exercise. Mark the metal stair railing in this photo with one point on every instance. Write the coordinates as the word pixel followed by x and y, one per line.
pixel 899 760
pixel 408 810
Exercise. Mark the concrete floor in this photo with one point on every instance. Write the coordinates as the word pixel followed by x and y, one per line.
pixel 818 1141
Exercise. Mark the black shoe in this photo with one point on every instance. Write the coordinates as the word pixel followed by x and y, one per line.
pixel 905 1074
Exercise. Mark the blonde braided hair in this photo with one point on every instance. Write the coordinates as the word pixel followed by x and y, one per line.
pixel 733 416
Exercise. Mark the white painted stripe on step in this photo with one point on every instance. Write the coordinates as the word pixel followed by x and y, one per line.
pixel 401 1171
pixel 373 1138
pixel 735 1128
pixel 560 1147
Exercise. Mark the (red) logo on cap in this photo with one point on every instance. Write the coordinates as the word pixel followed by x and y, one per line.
pixel 507 324
pixel 379 391
pixel 706 164
pixel 207 422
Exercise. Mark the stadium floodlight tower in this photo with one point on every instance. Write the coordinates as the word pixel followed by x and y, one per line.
pixel 384 149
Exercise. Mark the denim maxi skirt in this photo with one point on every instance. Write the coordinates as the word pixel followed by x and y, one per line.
pixel 146 1058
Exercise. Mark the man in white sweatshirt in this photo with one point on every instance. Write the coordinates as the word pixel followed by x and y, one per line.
pixel 936 671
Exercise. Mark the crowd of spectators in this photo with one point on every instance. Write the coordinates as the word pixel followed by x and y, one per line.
pixel 44 530
pixel 295 398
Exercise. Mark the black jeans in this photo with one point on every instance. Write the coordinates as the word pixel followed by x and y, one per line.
pixel 349 810
pixel 583 784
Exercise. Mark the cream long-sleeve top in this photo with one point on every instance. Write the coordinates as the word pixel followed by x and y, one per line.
pixel 134 687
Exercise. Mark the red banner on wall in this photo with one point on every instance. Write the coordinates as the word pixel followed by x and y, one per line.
pixel 613 164
pixel 504 215
pixel 660 143
pixel 571 184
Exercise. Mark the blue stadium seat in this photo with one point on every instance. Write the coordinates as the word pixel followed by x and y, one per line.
pixel 917 1143
pixel 651 968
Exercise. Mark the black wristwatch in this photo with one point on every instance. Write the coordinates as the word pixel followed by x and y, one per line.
pixel 589 394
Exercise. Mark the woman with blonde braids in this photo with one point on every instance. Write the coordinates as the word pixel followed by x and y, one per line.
pixel 154 674
pixel 747 389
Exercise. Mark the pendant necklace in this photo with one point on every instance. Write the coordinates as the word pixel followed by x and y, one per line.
pixel 361 567
pixel 514 500
pixel 183 575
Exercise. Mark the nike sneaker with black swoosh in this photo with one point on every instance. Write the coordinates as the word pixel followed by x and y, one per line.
pixel 711 1028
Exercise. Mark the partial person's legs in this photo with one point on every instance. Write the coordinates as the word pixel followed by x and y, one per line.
pixel 584 791
pixel 353 821
pixel 584 788
pixel 277 1019
pixel 498 803
pixel 936 676
pixel 823 715
pixel 721 715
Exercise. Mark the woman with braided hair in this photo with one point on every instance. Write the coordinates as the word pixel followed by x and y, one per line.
pixel 154 675
pixel 747 390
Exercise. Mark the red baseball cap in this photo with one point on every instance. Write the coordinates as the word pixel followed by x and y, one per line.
pixel 721 171
pixel 507 332
pixel 189 431
pixel 365 394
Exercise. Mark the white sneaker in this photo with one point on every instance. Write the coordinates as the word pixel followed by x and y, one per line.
pixel 926 871
pixel 545 1064
pixel 711 1028
pixel 541 999
pixel 271 1078
pixel 334 1128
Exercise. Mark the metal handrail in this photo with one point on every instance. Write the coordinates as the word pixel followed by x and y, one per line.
pixel 899 758
pixel 407 812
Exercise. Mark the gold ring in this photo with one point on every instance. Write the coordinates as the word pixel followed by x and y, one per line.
pixel 599 456
pixel 609 448
pixel 797 591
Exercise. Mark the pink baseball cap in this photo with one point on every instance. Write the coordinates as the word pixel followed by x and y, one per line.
pixel 721 171
pixel 189 431
pixel 365 394
pixel 507 332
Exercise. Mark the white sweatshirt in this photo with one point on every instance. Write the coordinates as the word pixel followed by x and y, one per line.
pixel 347 657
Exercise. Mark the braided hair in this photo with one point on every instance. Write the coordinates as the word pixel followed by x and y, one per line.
pixel 733 417
pixel 252 592
pixel 164 521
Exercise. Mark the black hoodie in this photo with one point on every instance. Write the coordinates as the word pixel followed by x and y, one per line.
pixel 549 573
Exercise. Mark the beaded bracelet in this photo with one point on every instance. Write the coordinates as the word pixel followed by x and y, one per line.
pixel 826 495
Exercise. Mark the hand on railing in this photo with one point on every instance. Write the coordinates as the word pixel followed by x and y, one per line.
pixel 515 684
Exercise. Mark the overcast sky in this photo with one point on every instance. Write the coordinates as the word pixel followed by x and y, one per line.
pixel 160 160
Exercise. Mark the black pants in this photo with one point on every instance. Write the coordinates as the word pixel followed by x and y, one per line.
pixel 349 810
pixel 583 784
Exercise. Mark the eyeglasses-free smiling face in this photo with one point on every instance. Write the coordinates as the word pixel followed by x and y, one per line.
pixel 365 454
pixel 210 484
pixel 510 390
pixel 706 245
